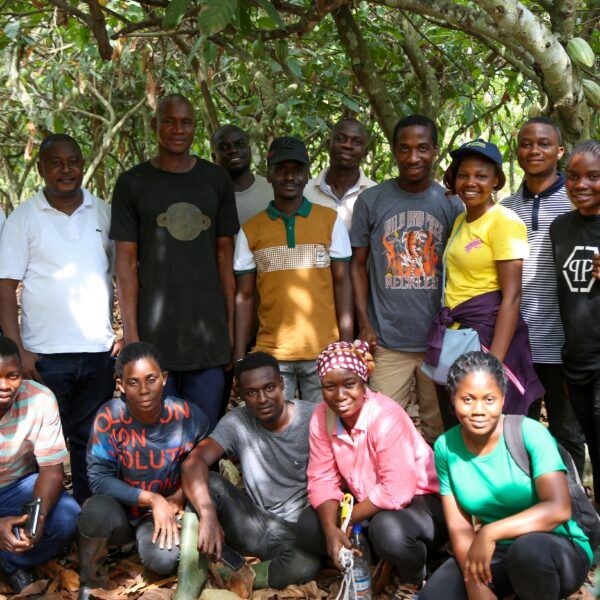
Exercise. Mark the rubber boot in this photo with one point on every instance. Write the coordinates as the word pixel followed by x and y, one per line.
pixel 92 553
pixel 193 566
pixel 261 575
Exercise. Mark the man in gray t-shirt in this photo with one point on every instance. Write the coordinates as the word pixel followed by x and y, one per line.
pixel 402 227
pixel 269 436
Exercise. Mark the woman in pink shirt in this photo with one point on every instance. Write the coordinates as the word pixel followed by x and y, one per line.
pixel 364 443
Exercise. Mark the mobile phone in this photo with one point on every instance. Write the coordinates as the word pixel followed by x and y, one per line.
pixel 232 558
pixel 32 510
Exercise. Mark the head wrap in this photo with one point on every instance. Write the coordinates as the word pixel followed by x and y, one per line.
pixel 344 355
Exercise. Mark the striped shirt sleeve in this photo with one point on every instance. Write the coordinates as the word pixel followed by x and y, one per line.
pixel 49 448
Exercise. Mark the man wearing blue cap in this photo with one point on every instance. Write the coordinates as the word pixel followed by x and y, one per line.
pixel 296 255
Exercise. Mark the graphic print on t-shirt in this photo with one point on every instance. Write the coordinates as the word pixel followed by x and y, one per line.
pixel 184 221
pixel 577 269
pixel 410 240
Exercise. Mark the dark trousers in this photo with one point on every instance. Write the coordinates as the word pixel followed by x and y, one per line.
pixel 562 422
pixel 103 517
pixel 81 382
pixel 403 537
pixel 536 566
pixel 202 387
pixel 585 400
pixel 59 528
pixel 446 409
pixel 256 532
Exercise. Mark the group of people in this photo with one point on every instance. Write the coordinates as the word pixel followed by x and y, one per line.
pixel 223 274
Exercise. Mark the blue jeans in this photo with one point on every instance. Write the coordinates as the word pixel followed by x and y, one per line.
pixel 59 528
pixel 202 387
pixel 301 374
pixel 81 382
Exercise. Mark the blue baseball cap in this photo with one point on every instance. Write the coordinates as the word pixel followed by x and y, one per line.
pixel 481 147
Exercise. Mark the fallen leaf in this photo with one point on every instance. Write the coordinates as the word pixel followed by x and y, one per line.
pixel 159 594
pixel 67 578
pixel 37 587
pixel 208 594
pixel 229 471
pixel 102 594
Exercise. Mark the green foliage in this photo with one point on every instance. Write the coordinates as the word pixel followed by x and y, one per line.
pixel 270 71
pixel 216 15
pixel 175 12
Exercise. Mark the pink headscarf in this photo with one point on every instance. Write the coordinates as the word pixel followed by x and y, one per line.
pixel 345 355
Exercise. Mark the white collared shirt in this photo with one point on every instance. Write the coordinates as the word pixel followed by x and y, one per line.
pixel 64 262
pixel 318 191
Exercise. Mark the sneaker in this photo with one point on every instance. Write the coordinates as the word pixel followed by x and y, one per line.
pixel 19 579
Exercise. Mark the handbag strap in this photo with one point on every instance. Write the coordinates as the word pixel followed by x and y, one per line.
pixel 452 238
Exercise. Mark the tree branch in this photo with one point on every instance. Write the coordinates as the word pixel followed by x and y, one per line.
pixel 430 89
pixel 365 70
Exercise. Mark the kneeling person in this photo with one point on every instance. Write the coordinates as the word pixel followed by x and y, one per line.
pixel 269 436
pixel 134 464
pixel 31 465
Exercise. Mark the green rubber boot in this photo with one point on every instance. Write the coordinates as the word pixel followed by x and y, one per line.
pixel 193 567
pixel 261 572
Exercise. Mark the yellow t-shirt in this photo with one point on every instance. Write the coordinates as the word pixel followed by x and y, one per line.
pixel 471 256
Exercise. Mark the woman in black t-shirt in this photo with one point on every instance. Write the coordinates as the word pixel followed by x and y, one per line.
pixel 576 244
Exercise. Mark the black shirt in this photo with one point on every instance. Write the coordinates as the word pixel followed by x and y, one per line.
pixel 575 240
pixel 175 219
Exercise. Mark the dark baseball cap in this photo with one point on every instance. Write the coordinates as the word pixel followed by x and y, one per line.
pixel 479 146
pixel 287 148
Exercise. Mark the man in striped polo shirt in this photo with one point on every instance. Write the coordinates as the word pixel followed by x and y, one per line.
pixel 539 200
pixel 296 255
pixel 32 453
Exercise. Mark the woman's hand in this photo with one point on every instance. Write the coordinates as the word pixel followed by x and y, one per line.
pixel 336 540
pixel 165 523
pixel 479 558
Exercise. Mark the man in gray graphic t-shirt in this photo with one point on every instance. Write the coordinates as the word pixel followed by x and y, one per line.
pixel 402 227
pixel 269 436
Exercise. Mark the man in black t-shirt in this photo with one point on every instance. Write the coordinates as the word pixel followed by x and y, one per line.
pixel 173 220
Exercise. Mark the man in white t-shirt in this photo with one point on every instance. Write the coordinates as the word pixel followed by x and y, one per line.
pixel 56 244
pixel 339 185
pixel 231 150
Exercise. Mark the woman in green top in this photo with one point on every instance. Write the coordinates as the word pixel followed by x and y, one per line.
pixel 527 544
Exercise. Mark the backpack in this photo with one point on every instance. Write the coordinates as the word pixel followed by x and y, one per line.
pixel 583 512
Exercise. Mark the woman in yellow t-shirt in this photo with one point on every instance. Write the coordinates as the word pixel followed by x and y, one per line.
pixel 484 261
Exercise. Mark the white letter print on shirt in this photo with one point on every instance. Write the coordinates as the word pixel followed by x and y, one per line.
pixel 577 269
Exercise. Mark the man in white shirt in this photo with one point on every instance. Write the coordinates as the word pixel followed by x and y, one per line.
pixel 231 150
pixel 339 185
pixel 56 244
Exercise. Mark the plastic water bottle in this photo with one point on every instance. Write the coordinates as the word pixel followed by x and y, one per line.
pixel 362 565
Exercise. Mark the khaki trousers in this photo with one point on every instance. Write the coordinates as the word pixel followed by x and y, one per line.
pixel 393 376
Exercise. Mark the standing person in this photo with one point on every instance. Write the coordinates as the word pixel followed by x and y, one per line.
pixel 31 465
pixel 575 242
pixel 231 150
pixel 527 544
pixel 56 244
pixel 402 226
pixel 484 262
pixel 2 220
pixel 138 443
pixel 540 199
pixel 296 255
pixel 338 185
pixel 269 436
pixel 173 219
pixel 364 443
